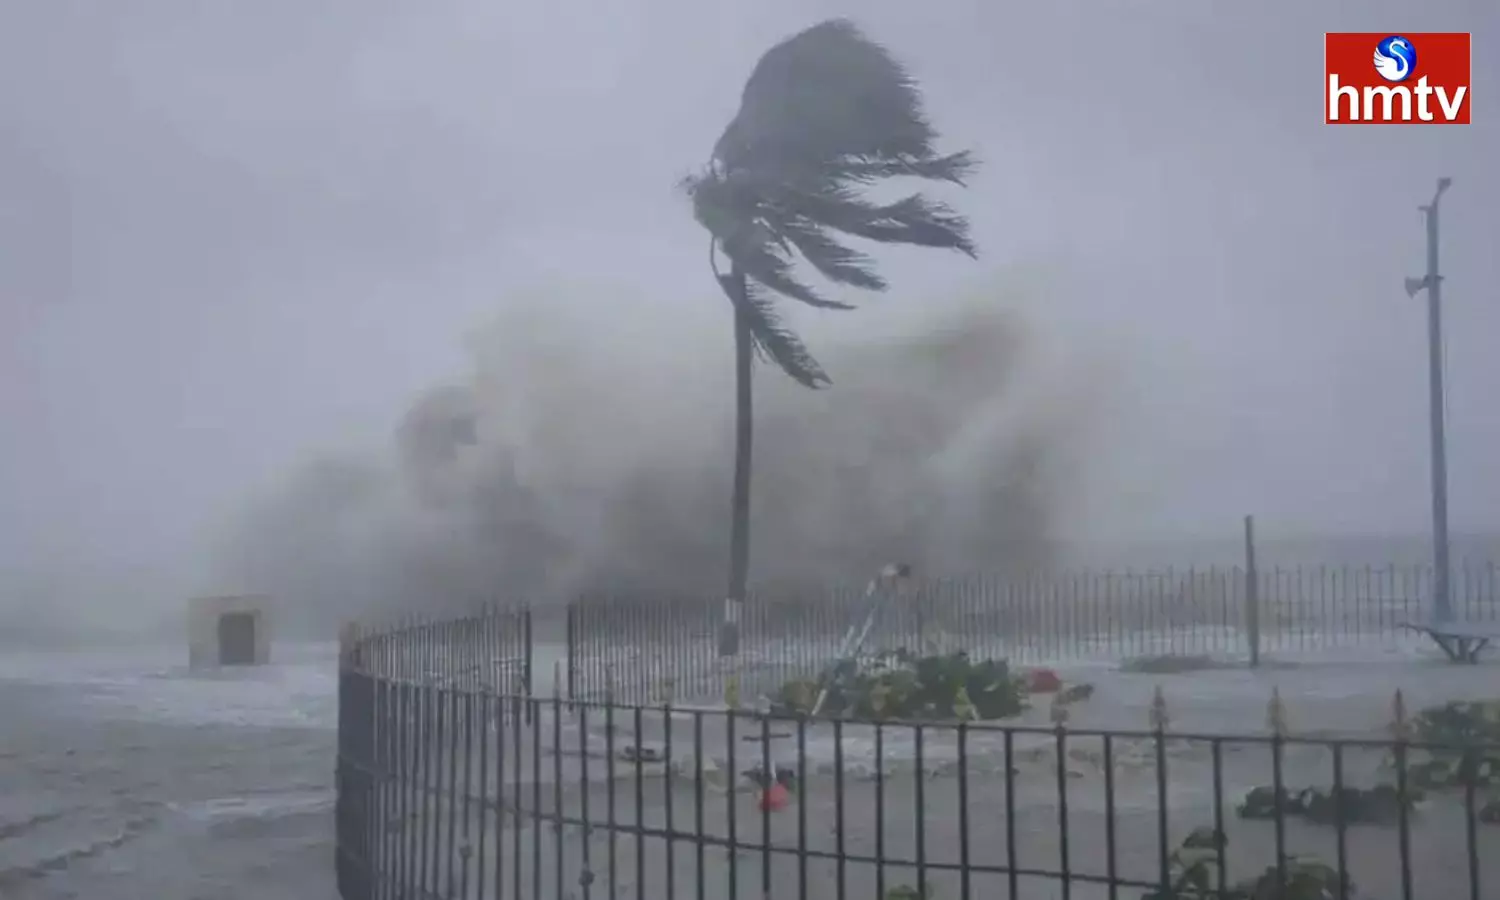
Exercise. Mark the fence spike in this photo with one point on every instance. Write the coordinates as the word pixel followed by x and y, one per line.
pixel 732 691
pixel 609 683
pixel 1059 712
pixel 1276 713
pixel 1159 717
pixel 1400 727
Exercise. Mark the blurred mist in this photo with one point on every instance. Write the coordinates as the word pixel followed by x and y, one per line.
pixel 553 470
pixel 382 305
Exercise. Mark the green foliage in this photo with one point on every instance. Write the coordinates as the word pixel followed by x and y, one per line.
pixel 1459 723
pixel 907 892
pixel 1075 693
pixel 1195 875
pixel 1380 805
pixel 1466 746
pixel 899 685
pixel 1462 747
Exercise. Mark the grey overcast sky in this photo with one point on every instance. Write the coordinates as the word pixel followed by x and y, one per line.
pixel 232 233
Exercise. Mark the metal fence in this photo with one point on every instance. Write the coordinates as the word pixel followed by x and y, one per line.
pixel 455 784
pixel 656 649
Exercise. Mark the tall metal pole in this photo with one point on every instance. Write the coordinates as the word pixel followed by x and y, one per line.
pixel 1432 282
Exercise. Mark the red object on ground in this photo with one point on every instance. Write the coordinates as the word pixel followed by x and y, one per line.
pixel 1044 681
pixel 774 798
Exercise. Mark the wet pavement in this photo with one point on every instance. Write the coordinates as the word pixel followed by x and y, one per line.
pixel 935 805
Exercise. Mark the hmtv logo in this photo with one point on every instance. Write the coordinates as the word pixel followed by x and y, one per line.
pixel 1396 79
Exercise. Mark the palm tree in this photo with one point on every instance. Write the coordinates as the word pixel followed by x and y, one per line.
pixel 825 114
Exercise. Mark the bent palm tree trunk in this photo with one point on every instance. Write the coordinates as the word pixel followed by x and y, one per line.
pixel 739 530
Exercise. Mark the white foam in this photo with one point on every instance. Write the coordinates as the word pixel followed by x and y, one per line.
pixel 256 806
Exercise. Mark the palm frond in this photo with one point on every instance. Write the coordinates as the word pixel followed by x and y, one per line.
pixel 955 168
pixel 858 171
pixel 826 93
pixel 774 341
pixel 763 252
pixel 917 220
pixel 772 268
pixel 836 262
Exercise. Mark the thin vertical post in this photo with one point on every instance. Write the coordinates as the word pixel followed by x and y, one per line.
pixel 571 640
pixel 1442 601
pixel 526 661
pixel 1252 594
pixel 1432 282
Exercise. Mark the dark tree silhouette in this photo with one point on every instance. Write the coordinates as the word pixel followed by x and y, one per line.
pixel 825 114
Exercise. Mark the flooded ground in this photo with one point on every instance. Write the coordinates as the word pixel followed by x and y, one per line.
pixel 125 776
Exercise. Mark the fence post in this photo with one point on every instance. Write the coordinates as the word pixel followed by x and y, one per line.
pixel 729 653
pixel 526 661
pixel 571 639
pixel 919 600
pixel 1252 594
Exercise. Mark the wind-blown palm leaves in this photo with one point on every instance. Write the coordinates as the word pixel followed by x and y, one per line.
pixel 825 114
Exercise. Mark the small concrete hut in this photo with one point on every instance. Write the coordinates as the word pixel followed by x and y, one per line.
pixel 229 631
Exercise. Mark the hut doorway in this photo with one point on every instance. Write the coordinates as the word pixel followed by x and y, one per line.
pixel 236 638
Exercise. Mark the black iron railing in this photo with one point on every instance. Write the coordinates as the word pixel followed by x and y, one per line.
pixel 649 649
pixel 462 785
